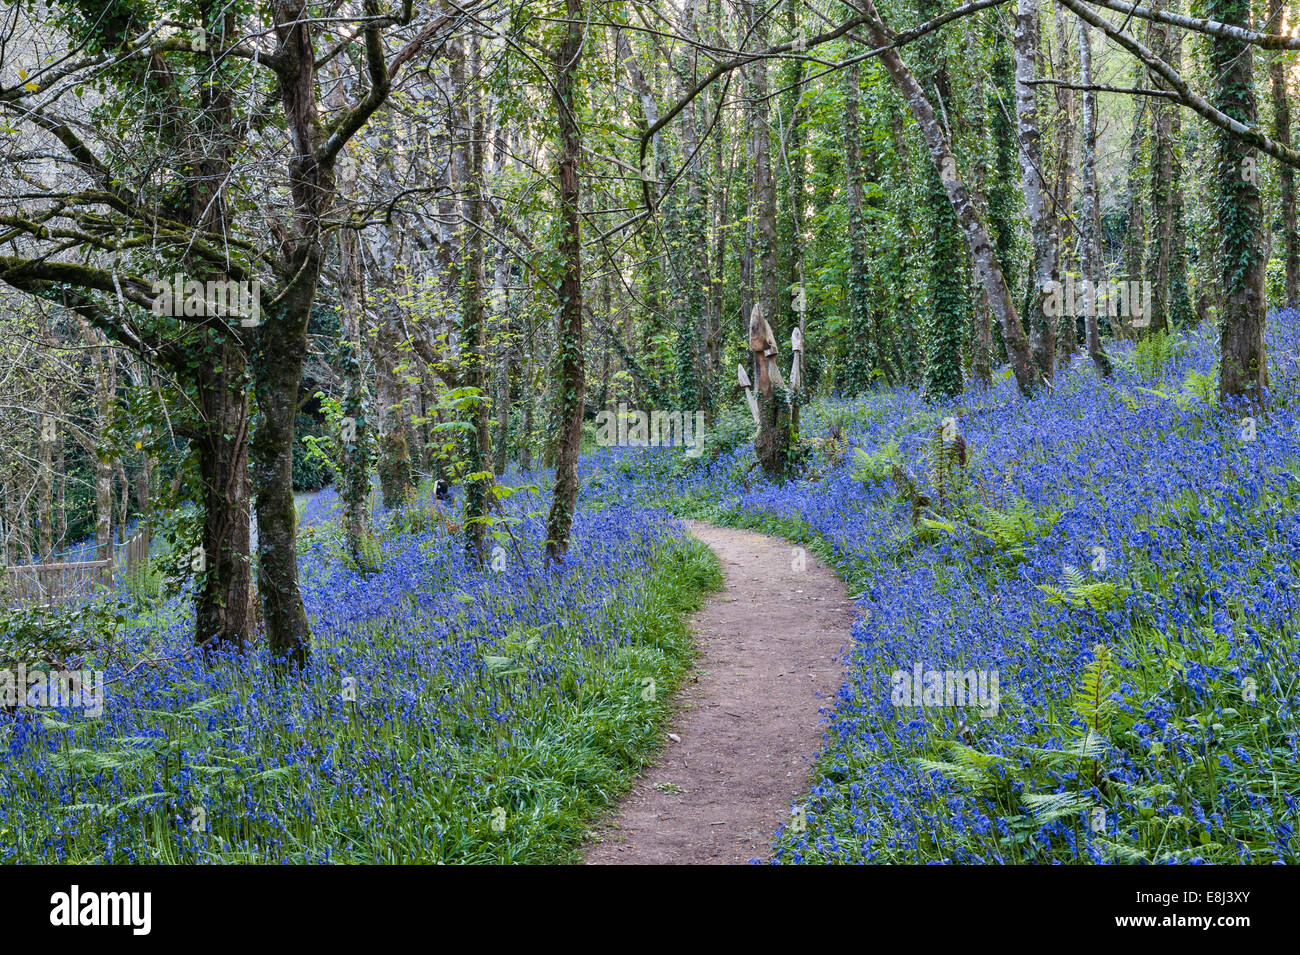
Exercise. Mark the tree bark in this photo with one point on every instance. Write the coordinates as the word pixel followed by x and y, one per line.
pixel 1090 223
pixel 1277 73
pixel 1042 225
pixel 1243 367
pixel 103 364
pixel 946 280
pixel 1160 247
pixel 572 384
pixel 473 339
pixel 1067 332
pixel 223 602
pixel 866 358
pixel 1135 244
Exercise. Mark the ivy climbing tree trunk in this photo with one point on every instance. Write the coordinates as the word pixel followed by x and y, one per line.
pixel 572 383
pixel 689 242
pixel 977 237
pixel 867 355
pixel 354 437
pixel 772 442
pixel 980 335
pixel 1063 192
pixel 395 436
pixel 948 306
pixel 1243 368
pixel 1159 249
pixel 1135 233
pixel 1003 198
pixel 763 209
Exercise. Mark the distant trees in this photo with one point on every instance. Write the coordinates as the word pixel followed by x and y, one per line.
pixel 161 190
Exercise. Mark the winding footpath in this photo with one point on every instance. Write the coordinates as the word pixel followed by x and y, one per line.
pixel 749 715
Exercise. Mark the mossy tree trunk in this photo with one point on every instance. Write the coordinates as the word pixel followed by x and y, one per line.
pixel 1243 368
pixel 572 385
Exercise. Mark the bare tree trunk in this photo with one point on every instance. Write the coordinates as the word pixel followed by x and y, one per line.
pixel 1043 272
pixel 354 470
pixel 1277 74
pixel 104 367
pixel 283 336
pixel 61 492
pixel 504 315
pixel 1135 245
pixel 1067 325
pixel 1090 223
pixel 527 393
pixel 45 487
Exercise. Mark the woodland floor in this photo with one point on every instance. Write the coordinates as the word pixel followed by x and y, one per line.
pixel 748 716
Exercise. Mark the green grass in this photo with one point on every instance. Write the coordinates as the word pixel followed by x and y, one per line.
pixel 582 754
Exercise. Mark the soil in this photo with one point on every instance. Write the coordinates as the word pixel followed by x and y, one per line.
pixel 750 714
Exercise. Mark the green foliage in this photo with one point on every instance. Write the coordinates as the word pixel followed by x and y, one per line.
pixel 877 466
pixel 51 636
pixel 573 748
pixel 1204 388
pixel 1101 596
pixel 1037 785
pixel 946 457
pixel 733 427
pixel 1155 353
pixel 1006 533
pixel 312 468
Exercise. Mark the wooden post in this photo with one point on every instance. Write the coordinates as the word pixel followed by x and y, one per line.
pixel 796 363
pixel 750 398
pixel 762 344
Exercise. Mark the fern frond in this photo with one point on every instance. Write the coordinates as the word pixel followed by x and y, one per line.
pixel 1122 852
pixel 1048 807
pixel 1092 701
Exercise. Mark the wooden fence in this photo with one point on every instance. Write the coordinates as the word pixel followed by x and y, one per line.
pixel 29 585
pixel 46 584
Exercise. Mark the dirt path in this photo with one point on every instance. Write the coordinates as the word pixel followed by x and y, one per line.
pixel 750 712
